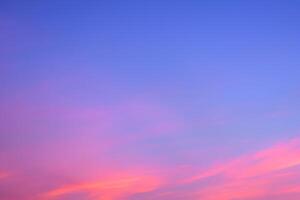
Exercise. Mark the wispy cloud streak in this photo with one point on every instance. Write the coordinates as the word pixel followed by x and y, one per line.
pixel 110 188
pixel 272 171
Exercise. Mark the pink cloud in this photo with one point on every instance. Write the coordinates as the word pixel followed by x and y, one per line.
pixel 75 143
pixel 109 188
pixel 4 174
pixel 264 173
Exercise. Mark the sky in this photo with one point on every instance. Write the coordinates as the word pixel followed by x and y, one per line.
pixel 143 100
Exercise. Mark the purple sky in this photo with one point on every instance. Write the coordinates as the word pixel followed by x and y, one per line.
pixel 143 100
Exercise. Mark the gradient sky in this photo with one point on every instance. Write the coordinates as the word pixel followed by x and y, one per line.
pixel 149 100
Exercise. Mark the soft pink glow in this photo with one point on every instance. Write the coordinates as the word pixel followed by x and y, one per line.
pixel 111 188
pixel 4 174
pixel 261 174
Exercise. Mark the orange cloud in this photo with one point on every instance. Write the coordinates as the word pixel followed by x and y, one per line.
pixel 264 173
pixel 110 188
